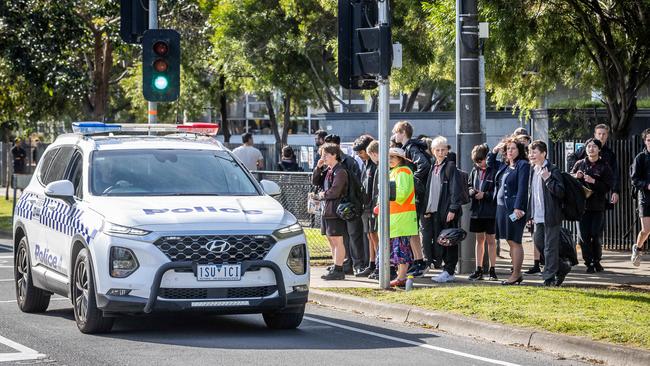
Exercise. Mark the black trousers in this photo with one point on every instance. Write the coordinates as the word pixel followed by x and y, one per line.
pixel 591 228
pixel 353 243
pixel 434 252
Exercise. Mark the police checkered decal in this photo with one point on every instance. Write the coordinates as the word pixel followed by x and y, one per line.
pixel 63 218
pixel 24 206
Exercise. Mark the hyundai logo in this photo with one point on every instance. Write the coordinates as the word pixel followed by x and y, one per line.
pixel 218 246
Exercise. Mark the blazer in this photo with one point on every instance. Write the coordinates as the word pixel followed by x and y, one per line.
pixel 604 180
pixel 486 207
pixel 553 189
pixel 337 188
pixel 516 185
pixel 450 200
pixel 640 175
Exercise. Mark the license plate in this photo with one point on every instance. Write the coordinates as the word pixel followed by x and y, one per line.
pixel 218 272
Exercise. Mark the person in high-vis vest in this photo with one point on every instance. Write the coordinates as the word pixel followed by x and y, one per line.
pixel 403 215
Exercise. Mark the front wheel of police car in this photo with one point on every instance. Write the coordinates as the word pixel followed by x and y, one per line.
pixel 88 317
pixel 30 298
pixel 285 319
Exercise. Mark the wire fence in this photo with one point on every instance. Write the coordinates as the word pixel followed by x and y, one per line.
pixel 622 221
pixel 295 187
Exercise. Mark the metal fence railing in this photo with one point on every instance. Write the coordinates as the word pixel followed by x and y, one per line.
pixel 295 187
pixel 621 222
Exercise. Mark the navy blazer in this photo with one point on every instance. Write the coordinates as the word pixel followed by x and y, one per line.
pixel 516 185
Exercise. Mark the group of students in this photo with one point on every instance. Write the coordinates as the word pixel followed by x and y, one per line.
pixel 511 187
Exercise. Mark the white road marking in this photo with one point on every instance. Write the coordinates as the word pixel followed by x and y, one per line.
pixel 6 266
pixel 6 257
pixel 413 343
pixel 24 353
pixel 52 299
pixel 7 280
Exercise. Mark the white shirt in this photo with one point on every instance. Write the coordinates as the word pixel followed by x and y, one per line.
pixel 538 194
pixel 249 155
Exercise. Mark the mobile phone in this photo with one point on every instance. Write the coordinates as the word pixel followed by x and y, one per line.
pixel 513 217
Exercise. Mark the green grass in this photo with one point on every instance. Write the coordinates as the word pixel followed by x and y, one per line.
pixel 317 244
pixel 5 215
pixel 619 317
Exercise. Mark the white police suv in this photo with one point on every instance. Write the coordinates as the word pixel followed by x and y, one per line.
pixel 130 224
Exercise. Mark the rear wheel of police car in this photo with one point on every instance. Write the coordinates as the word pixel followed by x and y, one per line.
pixel 30 299
pixel 285 319
pixel 89 318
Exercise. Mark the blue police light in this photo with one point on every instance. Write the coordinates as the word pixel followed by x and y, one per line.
pixel 88 128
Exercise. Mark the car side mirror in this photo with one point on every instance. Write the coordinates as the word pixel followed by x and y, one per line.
pixel 61 189
pixel 271 188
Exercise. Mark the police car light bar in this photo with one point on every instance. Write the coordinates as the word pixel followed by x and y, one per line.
pixel 90 128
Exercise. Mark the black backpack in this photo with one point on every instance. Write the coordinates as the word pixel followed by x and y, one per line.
pixel 351 205
pixel 635 190
pixel 464 187
pixel 568 247
pixel 575 200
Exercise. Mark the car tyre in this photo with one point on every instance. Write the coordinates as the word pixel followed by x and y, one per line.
pixel 88 317
pixel 30 298
pixel 284 319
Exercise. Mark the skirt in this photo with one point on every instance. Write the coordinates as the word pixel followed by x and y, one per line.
pixel 508 230
pixel 400 252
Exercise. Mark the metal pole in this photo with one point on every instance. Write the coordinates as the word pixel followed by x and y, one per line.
pixel 384 138
pixel 153 24
pixel 468 123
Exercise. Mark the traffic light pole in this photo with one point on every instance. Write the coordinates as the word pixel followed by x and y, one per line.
pixel 384 139
pixel 468 122
pixel 152 110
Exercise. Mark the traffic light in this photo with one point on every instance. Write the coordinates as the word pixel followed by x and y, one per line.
pixel 134 20
pixel 365 48
pixel 161 65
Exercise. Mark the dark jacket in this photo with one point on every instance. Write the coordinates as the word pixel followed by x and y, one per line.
pixel 337 187
pixel 607 154
pixel 553 189
pixel 602 173
pixel 450 191
pixel 516 184
pixel 485 208
pixel 368 184
pixel 289 166
pixel 351 165
pixel 641 176
pixel 416 151
pixel 19 155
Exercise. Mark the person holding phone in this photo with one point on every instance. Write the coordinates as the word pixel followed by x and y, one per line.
pixel 511 194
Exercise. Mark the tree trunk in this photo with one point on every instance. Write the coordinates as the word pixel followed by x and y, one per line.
pixel 374 106
pixel 272 118
pixel 287 118
pixel 411 100
pixel 103 63
pixel 223 108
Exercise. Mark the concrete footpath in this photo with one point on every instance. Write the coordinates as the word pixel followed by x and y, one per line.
pixel 619 274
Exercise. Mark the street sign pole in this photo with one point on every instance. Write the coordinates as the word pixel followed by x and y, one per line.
pixel 384 139
pixel 153 24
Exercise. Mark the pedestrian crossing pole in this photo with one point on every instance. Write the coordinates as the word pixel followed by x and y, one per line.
pixel 152 107
pixel 384 139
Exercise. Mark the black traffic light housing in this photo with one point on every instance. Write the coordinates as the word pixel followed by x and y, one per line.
pixel 365 49
pixel 161 65
pixel 134 20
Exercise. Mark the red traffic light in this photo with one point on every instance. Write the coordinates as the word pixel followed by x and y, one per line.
pixel 160 48
pixel 160 65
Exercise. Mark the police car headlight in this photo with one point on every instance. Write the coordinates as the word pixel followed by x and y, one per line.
pixel 289 231
pixel 297 260
pixel 124 230
pixel 123 262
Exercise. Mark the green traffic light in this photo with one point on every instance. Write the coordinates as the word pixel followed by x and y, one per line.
pixel 161 82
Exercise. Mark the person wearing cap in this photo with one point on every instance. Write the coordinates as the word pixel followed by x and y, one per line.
pixel 403 214
pixel 594 173
pixel 442 209
pixel 19 155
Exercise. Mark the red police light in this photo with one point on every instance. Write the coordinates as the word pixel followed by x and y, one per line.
pixel 160 65
pixel 160 48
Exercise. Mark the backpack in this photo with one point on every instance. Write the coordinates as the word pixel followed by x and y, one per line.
pixel 464 187
pixel 351 205
pixel 575 199
pixel 568 247
pixel 635 189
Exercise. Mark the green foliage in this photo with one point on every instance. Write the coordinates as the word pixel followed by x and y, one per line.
pixel 577 103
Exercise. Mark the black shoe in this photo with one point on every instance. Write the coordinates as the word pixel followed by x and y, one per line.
pixel 417 269
pixel 477 275
pixel 515 282
pixel 366 272
pixel 559 279
pixel 334 275
pixel 550 282
pixel 598 267
pixel 591 269
pixel 533 270
pixel 374 275
pixel 493 275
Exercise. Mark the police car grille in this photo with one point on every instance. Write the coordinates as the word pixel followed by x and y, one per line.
pixel 196 248
pixel 216 293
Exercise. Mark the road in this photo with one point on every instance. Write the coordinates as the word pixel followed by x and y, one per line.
pixel 326 337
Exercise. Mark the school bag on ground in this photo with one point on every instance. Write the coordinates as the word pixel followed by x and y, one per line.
pixel 575 199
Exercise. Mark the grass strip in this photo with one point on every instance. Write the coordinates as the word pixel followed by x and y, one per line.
pixel 6 221
pixel 619 317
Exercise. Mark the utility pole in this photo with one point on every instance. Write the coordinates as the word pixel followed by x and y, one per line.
pixel 384 138
pixel 468 122
pixel 153 24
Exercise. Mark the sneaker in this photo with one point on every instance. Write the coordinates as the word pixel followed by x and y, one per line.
pixel 374 275
pixel 417 269
pixel 366 272
pixel 334 275
pixel 444 277
pixel 477 275
pixel 493 275
pixel 591 269
pixel 598 267
pixel 636 256
pixel 533 270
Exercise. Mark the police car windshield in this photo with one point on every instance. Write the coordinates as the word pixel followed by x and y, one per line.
pixel 149 172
